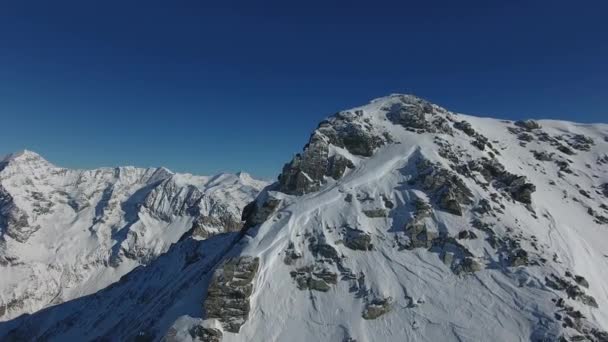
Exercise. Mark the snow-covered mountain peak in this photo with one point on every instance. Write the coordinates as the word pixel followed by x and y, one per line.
pixel 26 161
pixel 399 220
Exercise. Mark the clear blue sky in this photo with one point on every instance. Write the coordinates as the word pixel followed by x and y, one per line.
pixel 239 86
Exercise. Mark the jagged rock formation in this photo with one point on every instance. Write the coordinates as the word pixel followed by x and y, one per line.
pixel 440 227
pixel 66 233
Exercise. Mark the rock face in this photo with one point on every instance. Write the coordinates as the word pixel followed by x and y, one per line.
pixel 377 308
pixel 447 187
pixel 228 295
pixel 306 171
pixel 14 221
pixel 203 334
pixel 528 124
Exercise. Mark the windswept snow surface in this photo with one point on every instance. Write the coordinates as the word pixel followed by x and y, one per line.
pixel 455 228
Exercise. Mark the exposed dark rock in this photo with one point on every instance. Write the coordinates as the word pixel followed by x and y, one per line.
pixel 467 235
pixel 527 124
pixel 387 202
pixel 518 257
pixel 483 206
pixel 229 291
pixel 572 290
pixel 259 210
pixel 581 142
pixel 447 187
pixel 417 115
pixel 466 127
pixel 357 239
pixel 314 278
pixel 604 188
pixel 306 170
pixel 200 333
pixel 516 186
pixel 420 236
pixel 469 265
pixel 377 308
pixel 374 213
pixel 525 137
pixel 338 165
pixel 290 254
pixel 320 249
pixel 565 150
pixel 542 155
pixel 14 222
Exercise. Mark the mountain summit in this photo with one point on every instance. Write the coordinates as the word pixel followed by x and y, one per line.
pixel 399 220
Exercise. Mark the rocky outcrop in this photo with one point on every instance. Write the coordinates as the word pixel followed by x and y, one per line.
pixel 417 115
pixel 445 186
pixel 357 240
pixel 376 308
pixel 420 236
pixel 516 186
pixel 528 124
pixel 314 278
pixel 259 210
pixel 306 171
pixel 14 221
pixel 202 334
pixel 229 291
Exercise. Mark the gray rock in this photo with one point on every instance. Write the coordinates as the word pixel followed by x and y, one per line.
pixel 14 222
pixel 527 124
pixel 229 291
pixel 200 333
pixel 375 213
pixel 581 281
pixel 518 257
pixel 357 240
pixel 525 137
pixel 338 164
pixel 466 127
pixel 377 308
pixel 321 249
pixel 467 235
pixel 542 155
pixel 448 188
pixel 259 210
pixel 314 278
pixel 417 115
pixel 517 186
pixel 469 265
pixel 604 188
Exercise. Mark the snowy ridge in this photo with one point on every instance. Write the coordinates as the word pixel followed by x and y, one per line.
pixel 67 233
pixel 400 220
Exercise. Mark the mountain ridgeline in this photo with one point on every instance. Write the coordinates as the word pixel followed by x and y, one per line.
pixel 399 220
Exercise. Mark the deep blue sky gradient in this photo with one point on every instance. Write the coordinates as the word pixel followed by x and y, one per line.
pixel 204 87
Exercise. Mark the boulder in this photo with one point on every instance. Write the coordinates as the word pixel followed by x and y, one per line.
pixel 528 124
pixel 377 308
pixel 375 213
pixel 200 333
pixel 357 240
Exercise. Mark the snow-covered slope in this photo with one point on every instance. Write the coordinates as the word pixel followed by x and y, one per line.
pixel 400 221
pixel 67 233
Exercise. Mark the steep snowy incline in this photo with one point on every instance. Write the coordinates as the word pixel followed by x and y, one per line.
pixel 67 233
pixel 399 221
pixel 414 223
